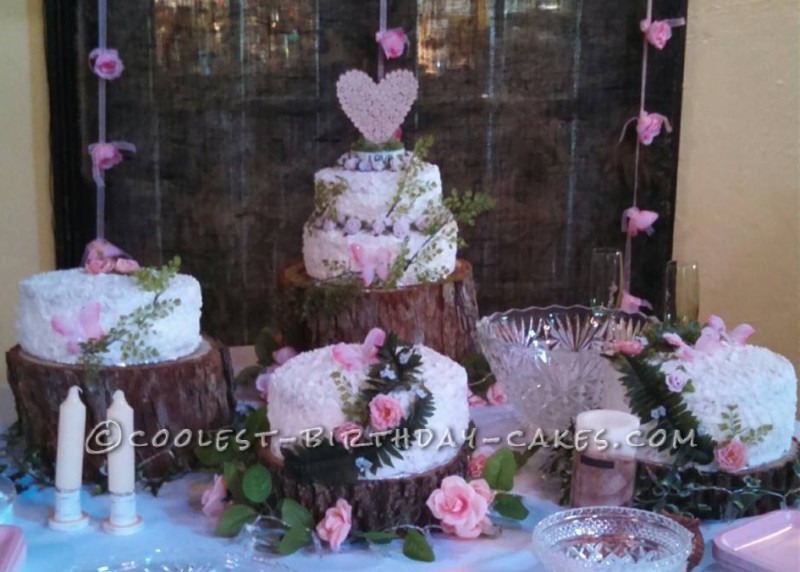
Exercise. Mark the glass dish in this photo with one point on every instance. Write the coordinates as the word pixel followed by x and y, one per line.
pixel 611 538
pixel 549 359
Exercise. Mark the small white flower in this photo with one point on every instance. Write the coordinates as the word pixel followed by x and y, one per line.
pixel 388 373
pixel 404 357
pixel 658 412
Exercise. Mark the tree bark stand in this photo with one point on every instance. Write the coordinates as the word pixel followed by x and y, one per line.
pixel 194 393
pixel 442 316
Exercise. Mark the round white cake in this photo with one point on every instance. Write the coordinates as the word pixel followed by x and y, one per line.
pixel 51 306
pixel 304 396
pixel 388 217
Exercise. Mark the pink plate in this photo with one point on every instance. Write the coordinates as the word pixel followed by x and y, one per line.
pixel 769 543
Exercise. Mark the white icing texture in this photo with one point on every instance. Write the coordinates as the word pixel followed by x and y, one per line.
pixel 303 396
pixel 62 294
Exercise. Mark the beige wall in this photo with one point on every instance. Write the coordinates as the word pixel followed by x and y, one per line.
pixel 25 211
pixel 738 206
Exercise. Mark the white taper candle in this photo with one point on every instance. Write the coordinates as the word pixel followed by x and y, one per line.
pixel 122 460
pixel 609 432
pixel 71 434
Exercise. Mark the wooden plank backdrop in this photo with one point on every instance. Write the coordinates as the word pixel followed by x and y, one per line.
pixel 232 106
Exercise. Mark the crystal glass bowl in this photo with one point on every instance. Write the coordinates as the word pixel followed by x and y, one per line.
pixel 611 539
pixel 549 359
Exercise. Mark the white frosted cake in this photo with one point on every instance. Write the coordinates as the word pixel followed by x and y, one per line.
pixel 57 311
pixel 329 389
pixel 380 216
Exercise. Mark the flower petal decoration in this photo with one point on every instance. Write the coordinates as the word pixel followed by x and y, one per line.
pixel 372 262
pixel 336 524
pixel 649 125
pixel 107 155
pixel 393 42
pixel 106 63
pixel 353 357
pixel 635 220
pixel 631 304
pixel 658 32
pixel 81 328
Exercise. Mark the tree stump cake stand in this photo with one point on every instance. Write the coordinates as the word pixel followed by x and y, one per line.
pixel 442 315
pixel 192 393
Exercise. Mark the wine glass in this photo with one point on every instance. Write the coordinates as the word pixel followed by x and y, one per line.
pixel 681 292
pixel 605 279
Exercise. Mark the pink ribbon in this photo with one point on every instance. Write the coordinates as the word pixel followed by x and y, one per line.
pixel 355 357
pixel 372 262
pixel 635 221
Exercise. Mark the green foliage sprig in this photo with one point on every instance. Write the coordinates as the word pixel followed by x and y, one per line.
pixel 467 207
pixel 409 187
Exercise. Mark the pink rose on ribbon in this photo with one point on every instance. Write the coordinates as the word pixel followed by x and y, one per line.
pixel 676 381
pixel 496 395
pixel 348 434
pixel 107 155
pixel 336 525
pixel 106 63
pixel 657 32
pixel 354 357
pixel 478 460
pixel 648 126
pixel 125 266
pixel 213 499
pixel 475 400
pixel 731 456
pixel 385 413
pixel 459 507
pixel 81 329
pixel 392 41
pixel 631 304
pixel 635 221
pixel 628 347
pixel 372 262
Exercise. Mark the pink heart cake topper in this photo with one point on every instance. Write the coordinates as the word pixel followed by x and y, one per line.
pixel 377 109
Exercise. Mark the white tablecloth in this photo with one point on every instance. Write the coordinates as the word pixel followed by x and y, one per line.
pixel 173 521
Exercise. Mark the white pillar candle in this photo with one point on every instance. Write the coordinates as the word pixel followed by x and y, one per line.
pixel 122 460
pixel 607 432
pixel 71 435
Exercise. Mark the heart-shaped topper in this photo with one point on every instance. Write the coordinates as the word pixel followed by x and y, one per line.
pixel 377 110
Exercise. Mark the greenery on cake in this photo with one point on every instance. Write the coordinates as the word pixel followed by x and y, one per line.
pixel 326 194
pixel 409 187
pixel 362 145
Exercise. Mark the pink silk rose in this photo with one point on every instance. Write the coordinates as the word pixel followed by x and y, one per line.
pixel 459 507
pixel 676 381
pixel 635 220
pixel 385 413
pixel 105 155
pixel 392 41
pixel 628 347
pixel 348 434
pixel 648 126
pixel 657 32
pixel 213 499
pixel 81 329
pixel 731 456
pixel 478 460
pixel 496 395
pixel 336 525
pixel 106 63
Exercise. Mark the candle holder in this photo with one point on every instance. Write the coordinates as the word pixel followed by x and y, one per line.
pixel 67 515
pixel 123 520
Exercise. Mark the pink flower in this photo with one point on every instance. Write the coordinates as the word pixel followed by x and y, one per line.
pixel 348 434
pixel 398 134
pixel 648 126
pixel 106 64
pixel 483 489
pixel 459 507
pixel 478 460
pixel 682 349
pixel 496 395
pixel 631 304
pixel 385 413
pixel 284 354
pixel 213 499
pixel 657 33
pixel 100 266
pixel 125 266
pixel 336 525
pixel 81 329
pixel 105 155
pixel 392 41
pixel 475 400
pixel 354 357
pixel 635 221
pixel 731 456
pixel 628 347
pixel 676 381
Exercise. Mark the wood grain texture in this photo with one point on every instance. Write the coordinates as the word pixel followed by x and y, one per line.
pixel 442 316
pixel 193 393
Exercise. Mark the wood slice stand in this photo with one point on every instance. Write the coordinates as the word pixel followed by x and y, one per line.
pixel 194 393
pixel 442 316
pixel 377 504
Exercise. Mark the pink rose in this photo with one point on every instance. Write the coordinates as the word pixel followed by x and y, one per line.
pixel 398 134
pixel 106 63
pixel 392 41
pixel 126 266
pixel 213 499
pixel 336 525
pixel 496 395
pixel 657 33
pixel 628 347
pixel 459 507
pixel 477 461
pixel 475 400
pixel 483 489
pixel 385 413
pixel 731 456
pixel 348 434
pixel 648 126
pixel 676 381
pixel 105 155
pixel 99 266
pixel 284 354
